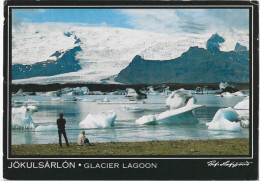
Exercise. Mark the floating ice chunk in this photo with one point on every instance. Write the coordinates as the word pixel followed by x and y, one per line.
pixel 105 100
pixel 31 101
pixel 131 108
pixel 21 117
pixel 46 128
pixel 224 85
pixel 244 123
pixel 224 125
pixel 179 98
pixel 149 119
pixel 243 104
pixel 152 92
pixel 181 115
pixel 32 109
pixel 225 119
pixel 56 99
pixel 238 93
pixel 102 120
pixel 242 108
pixel 227 94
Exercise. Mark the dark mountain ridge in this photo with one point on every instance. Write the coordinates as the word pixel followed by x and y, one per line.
pixel 197 65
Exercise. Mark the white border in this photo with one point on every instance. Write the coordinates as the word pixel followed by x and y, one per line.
pixel 131 6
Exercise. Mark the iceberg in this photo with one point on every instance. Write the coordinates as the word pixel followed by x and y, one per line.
pixel 181 115
pixel 238 93
pixel 102 120
pixel 152 92
pixel 224 120
pixel 46 128
pixel 149 119
pixel 179 98
pixel 21 117
pixel 224 85
pixel 242 108
pixel 244 105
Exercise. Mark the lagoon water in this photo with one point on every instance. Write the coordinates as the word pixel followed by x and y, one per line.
pixel 125 128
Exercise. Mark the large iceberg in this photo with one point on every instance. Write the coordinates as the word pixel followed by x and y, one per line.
pixel 102 120
pixel 225 120
pixel 179 98
pixel 21 117
pixel 181 103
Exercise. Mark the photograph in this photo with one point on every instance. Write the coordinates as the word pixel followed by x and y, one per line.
pixel 131 87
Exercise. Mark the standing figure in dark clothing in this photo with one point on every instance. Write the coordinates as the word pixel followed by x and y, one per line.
pixel 61 129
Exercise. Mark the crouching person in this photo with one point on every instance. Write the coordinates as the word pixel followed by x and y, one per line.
pixel 82 140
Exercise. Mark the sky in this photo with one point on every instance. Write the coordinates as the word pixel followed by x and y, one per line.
pixel 168 21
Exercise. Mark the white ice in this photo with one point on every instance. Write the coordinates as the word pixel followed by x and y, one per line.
pixel 46 128
pixel 238 93
pixel 225 120
pixel 227 94
pixel 243 104
pixel 179 98
pixel 149 119
pixel 21 117
pixel 105 50
pixel 102 120
pixel 181 104
pixel 223 85
pixel 242 108
pixel 131 108
pixel 131 92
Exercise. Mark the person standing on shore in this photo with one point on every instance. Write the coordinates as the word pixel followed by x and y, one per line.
pixel 61 129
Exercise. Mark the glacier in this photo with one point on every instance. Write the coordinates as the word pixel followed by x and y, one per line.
pixel 102 120
pixel 105 50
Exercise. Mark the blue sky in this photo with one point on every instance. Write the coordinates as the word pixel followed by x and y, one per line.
pixel 155 20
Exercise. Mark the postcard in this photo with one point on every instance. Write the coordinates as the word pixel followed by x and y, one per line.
pixel 147 90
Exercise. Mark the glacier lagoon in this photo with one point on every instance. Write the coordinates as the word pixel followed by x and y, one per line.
pixel 125 128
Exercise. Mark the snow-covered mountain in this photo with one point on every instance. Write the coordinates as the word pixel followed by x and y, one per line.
pixel 105 51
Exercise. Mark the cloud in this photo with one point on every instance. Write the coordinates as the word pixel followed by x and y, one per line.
pixel 187 20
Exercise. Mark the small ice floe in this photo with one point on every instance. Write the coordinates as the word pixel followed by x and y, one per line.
pixel 225 120
pixel 56 99
pixel 105 100
pixel 46 128
pixel 131 108
pixel 135 93
pixel 102 120
pixel 244 123
pixel 88 100
pixel 238 93
pixel 152 92
pixel 226 94
pixel 21 117
pixel 31 101
pixel 148 120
